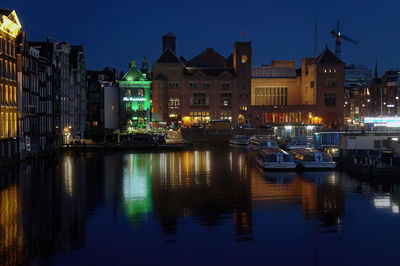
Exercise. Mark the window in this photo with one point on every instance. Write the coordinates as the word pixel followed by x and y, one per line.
pixel 226 99
pixel 225 85
pixel 173 85
pixel 199 99
pixel 140 105
pixel 95 123
pixel 193 85
pixel 312 84
pixel 330 83
pixel 128 93
pixel 173 102
pixel 243 108
pixel 140 93
pixel 244 59
pixel 206 85
pixel 330 99
pixel 271 96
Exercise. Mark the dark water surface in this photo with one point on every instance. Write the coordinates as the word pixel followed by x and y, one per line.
pixel 212 205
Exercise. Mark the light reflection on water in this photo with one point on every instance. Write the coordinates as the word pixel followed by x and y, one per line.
pixel 54 207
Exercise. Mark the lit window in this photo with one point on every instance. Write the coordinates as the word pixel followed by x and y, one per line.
pixel 128 93
pixel 140 93
pixel 95 123
pixel 244 59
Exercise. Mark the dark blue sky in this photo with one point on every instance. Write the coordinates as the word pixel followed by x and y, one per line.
pixel 114 32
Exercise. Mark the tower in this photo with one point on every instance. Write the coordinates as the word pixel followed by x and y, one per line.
pixel 169 41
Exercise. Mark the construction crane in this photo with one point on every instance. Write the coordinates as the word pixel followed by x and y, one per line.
pixel 338 39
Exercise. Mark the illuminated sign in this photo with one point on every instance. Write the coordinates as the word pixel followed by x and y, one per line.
pixel 132 99
pixel 393 121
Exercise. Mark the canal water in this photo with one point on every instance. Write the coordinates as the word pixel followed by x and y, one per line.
pixel 211 205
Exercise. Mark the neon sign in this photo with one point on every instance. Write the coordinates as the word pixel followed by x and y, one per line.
pixel 132 99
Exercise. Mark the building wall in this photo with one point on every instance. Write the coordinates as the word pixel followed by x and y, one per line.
pixel 292 85
pixel 9 114
pixel 111 107
pixel 332 114
pixel 173 102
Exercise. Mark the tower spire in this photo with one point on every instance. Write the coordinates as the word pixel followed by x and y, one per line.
pixel 376 68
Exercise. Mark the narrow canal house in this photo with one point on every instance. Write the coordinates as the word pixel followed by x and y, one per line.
pixel 9 114
pixel 135 97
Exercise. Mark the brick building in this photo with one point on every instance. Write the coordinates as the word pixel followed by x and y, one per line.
pixel 208 86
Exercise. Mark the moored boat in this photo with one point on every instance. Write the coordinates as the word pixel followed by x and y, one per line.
pixel 312 159
pixel 272 158
pixel 239 140
pixel 260 142
pixel 299 143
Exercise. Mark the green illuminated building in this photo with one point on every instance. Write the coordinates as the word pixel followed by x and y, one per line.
pixel 135 99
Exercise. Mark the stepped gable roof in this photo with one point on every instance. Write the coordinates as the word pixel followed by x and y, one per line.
pixel 273 72
pixel 208 58
pixel 133 74
pixel 325 57
pixel 168 57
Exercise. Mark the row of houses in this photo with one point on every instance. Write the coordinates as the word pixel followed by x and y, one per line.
pixel 42 91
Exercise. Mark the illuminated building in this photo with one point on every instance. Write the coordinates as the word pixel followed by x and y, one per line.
pixel 208 86
pixel 9 30
pixel 313 94
pixel 385 93
pixel 97 82
pixel 357 94
pixel 134 99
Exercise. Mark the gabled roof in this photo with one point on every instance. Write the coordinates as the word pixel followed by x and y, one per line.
pixel 168 57
pixel 208 58
pixel 133 74
pixel 326 57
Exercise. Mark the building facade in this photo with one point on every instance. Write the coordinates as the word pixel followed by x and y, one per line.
pixel 357 94
pixel 385 92
pixel 97 81
pixel 135 105
pixel 9 115
pixel 313 94
pixel 28 79
pixel 208 86
pixel 78 87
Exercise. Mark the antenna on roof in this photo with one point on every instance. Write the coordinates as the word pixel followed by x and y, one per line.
pixel 244 34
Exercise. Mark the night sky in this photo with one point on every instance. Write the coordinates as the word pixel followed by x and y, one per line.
pixel 114 32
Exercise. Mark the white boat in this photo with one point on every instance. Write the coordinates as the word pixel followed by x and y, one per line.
pixel 272 158
pixel 299 143
pixel 312 159
pixel 261 141
pixel 239 140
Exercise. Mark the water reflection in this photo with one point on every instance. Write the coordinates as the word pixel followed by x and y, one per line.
pixel 136 185
pixel 319 194
pixel 51 206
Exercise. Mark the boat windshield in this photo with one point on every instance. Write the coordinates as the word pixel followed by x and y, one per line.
pixel 287 158
pixel 270 158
